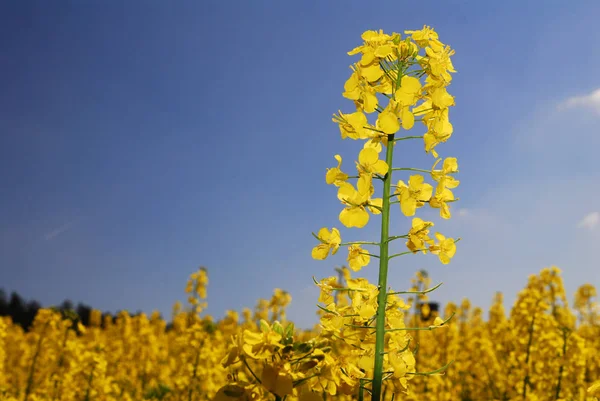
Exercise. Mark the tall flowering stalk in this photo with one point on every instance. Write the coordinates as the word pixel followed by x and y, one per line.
pixel 390 70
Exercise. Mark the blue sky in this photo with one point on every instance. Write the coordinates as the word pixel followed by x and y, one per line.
pixel 142 139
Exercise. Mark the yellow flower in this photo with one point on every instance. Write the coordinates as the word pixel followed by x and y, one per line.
pixel 407 117
pixel 332 321
pixel 395 113
pixel 330 241
pixel 366 311
pixel 377 45
pixel 408 92
pixel 369 162
pixel 261 345
pixel 375 205
pixel 441 99
pixel 439 62
pixel 418 235
pixel 402 363
pixel 445 248
pixel 351 377
pixel 277 381
pixel 438 201
pixel 352 125
pixel 387 121
pixel 329 379
pixel 423 36
pixel 357 88
pixel 233 352
pixel 357 258
pixel 352 86
pixel 335 175
pixel 377 139
pixel 371 72
pixel 413 195
pixel 442 176
pixel 356 201
pixel 439 130
pixel 594 389
pixel 327 286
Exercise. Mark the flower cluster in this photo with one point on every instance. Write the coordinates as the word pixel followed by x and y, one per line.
pixel 397 83
pixel 391 69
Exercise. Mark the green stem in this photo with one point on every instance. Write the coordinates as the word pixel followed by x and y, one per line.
pixel 562 365
pixel 420 170
pixel 407 137
pixel 89 387
pixel 60 363
pixel 29 387
pixel 405 253
pixel 359 243
pixel 251 371
pixel 304 379
pixel 335 313
pixel 194 373
pixel 433 372
pixel 416 292
pixel 415 251
pixel 337 294
pixel 416 322
pixel 395 237
pixel 348 243
pixel 361 390
pixel 383 271
pixel 374 206
pixel 421 112
pixel 527 356
pixel 373 129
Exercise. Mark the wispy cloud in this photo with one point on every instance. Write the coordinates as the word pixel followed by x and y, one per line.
pixel 590 221
pixel 591 101
pixel 60 230
pixel 463 212
pixel 554 139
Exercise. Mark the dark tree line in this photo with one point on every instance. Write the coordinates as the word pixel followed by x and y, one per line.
pixel 23 312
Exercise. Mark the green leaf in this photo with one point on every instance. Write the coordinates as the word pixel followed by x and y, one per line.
pixel 264 326
pixel 278 328
pixel 289 330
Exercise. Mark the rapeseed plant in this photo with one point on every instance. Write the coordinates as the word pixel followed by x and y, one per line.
pixel 387 83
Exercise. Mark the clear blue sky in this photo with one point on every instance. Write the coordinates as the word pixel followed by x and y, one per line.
pixel 142 139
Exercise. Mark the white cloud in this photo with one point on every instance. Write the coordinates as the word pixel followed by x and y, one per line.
pixel 59 230
pixel 590 221
pixel 475 218
pixel 591 101
pixel 463 212
pixel 548 139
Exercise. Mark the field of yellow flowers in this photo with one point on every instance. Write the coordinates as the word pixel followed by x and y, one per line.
pixel 371 342
pixel 543 350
